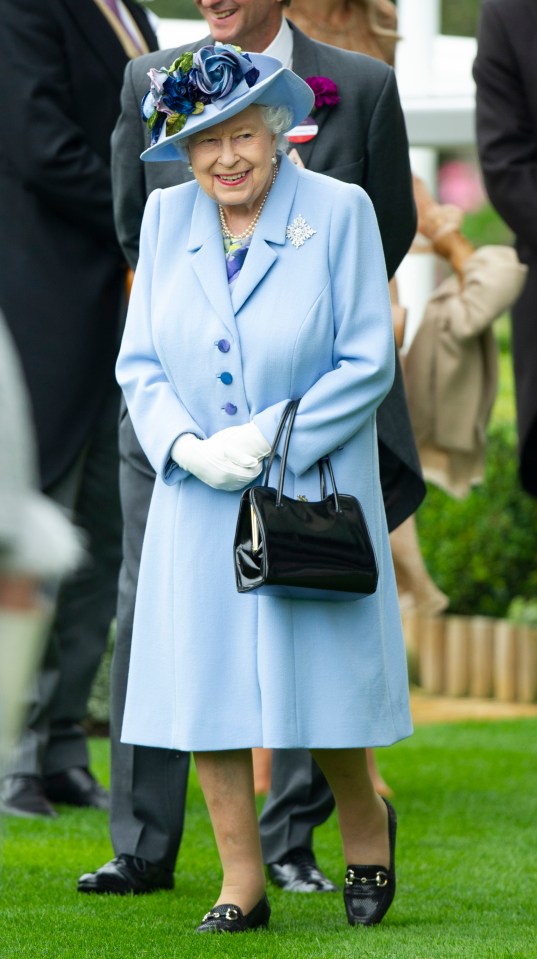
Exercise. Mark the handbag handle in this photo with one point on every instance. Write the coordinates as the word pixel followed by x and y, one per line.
pixel 326 459
pixel 288 417
pixel 289 410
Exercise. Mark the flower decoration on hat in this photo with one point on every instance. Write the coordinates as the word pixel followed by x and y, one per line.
pixel 192 81
pixel 325 91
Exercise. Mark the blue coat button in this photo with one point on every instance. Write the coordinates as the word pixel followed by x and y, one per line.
pixel 224 346
pixel 230 409
pixel 226 378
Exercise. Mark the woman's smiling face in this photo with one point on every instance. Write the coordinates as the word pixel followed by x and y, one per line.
pixel 232 161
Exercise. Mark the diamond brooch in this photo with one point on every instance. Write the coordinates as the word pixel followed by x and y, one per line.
pixel 299 231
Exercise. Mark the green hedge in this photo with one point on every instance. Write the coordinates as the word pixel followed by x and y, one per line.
pixel 481 551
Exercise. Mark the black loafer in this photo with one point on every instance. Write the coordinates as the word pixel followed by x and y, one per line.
pixel 369 890
pixel 299 872
pixel 127 874
pixel 229 918
pixel 24 796
pixel 76 787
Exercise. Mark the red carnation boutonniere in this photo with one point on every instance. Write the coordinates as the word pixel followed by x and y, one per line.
pixel 325 91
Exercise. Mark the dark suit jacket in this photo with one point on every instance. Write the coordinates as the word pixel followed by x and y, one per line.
pixel 362 140
pixel 61 269
pixel 505 71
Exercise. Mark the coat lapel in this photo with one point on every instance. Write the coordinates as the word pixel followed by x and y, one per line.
pixel 306 64
pixel 173 54
pixel 270 230
pixel 208 260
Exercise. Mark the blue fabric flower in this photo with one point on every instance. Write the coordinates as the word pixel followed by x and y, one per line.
pixel 177 94
pixel 217 70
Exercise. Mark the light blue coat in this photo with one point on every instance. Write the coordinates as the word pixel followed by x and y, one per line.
pixel 210 668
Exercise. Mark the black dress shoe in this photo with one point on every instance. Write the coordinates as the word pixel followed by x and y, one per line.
pixel 24 796
pixel 76 787
pixel 299 872
pixel 369 890
pixel 127 874
pixel 229 918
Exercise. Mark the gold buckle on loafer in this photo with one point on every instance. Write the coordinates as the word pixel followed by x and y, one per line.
pixel 230 914
pixel 381 878
pixel 211 915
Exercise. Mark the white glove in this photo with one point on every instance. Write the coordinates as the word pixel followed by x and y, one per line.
pixel 237 442
pixel 223 461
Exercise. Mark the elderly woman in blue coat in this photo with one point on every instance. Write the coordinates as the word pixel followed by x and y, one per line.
pixel 258 283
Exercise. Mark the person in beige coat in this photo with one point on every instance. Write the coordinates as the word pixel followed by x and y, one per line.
pixel 451 365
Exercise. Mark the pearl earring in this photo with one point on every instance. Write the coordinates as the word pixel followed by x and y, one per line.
pixel 274 161
pixel 189 168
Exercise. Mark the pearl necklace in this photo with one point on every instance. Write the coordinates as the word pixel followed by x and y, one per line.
pixel 251 226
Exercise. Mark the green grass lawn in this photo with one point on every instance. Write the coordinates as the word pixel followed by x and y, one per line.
pixel 467 803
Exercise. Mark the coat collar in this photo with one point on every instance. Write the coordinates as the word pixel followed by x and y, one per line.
pixel 175 52
pixel 209 264
pixel 205 242
pixel 306 64
pixel 270 230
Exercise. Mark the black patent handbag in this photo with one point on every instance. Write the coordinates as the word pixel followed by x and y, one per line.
pixel 300 550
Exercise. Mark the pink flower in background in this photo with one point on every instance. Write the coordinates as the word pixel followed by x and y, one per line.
pixel 325 91
pixel 459 183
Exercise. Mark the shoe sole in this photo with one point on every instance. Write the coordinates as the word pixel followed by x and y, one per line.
pixel 113 890
pixel 23 814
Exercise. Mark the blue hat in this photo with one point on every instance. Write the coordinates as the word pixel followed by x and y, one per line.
pixel 213 84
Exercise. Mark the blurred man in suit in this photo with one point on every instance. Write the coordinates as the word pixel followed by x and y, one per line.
pixel 505 72
pixel 361 140
pixel 62 290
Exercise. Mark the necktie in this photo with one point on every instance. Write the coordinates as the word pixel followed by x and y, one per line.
pixel 113 6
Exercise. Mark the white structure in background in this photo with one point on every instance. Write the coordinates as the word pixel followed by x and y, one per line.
pixel 174 33
pixel 434 74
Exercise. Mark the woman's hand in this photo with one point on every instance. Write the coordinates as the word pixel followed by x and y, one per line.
pixel 239 441
pixel 228 460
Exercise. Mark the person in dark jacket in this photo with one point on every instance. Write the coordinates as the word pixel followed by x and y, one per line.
pixel 505 72
pixel 62 284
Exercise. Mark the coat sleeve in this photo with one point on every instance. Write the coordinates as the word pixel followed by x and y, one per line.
pixel 157 414
pixel 336 407
pixel 388 178
pixel 506 134
pixel 55 160
pixel 128 181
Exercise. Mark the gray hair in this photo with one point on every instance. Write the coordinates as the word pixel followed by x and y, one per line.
pixel 276 119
